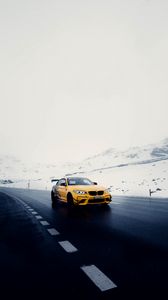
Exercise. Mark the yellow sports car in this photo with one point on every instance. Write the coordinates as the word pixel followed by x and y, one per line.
pixel 79 191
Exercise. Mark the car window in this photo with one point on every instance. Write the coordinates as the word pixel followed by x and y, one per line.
pixel 61 182
pixel 79 181
pixel 72 182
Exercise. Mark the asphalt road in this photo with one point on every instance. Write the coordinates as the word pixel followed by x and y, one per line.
pixel 116 252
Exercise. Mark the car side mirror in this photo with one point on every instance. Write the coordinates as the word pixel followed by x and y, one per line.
pixel 95 183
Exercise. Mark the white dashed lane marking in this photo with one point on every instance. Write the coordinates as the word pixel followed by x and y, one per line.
pixel 96 276
pixel 99 278
pixel 67 246
pixel 44 223
pixel 38 217
pixel 53 231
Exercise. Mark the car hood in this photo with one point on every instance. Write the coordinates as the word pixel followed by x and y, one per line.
pixel 87 187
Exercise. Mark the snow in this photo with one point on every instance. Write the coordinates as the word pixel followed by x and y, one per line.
pixel 130 172
pixel 135 179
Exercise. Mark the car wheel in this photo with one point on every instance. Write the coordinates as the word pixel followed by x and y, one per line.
pixel 105 206
pixel 54 200
pixel 70 201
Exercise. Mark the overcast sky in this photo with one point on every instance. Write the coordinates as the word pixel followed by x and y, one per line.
pixel 78 77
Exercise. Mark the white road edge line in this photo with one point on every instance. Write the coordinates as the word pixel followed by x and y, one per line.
pixel 44 223
pixel 99 278
pixel 18 199
pixel 34 213
pixel 53 231
pixel 67 246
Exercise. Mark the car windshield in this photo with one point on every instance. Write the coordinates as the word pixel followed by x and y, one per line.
pixel 79 181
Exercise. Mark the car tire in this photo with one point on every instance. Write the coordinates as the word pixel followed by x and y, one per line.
pixel 70 201
pixel 105 206
pixel 54 200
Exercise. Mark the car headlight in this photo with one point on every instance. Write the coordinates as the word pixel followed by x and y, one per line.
pixel 80 192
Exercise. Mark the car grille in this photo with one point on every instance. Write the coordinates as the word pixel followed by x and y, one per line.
pixel 95 193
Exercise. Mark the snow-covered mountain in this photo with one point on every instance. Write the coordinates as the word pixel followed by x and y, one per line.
pixel 134 170
pixel 136 155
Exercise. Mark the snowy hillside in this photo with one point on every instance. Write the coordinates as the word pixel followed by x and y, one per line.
pixel 138 155
pixel 20 173
pixel 130 172
pixel 135 179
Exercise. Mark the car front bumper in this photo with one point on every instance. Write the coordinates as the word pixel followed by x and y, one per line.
pixel 87 200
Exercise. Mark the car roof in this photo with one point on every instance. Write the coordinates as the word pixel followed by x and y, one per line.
pixel 75 177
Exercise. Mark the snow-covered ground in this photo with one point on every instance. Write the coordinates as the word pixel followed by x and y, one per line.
pixel 130 172
pixel 135 179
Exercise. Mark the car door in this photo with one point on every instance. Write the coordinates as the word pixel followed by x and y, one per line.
pixel 62 189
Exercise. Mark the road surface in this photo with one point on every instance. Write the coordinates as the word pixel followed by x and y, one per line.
pixel 116 252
